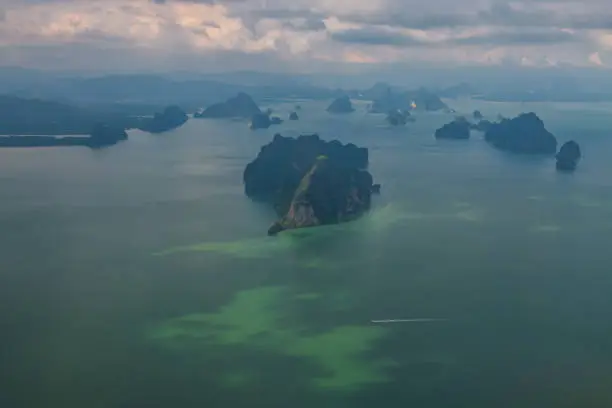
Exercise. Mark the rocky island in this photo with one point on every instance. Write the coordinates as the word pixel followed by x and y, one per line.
pixel 310 182
pixel 568 156
pixel 341 105
pixel 293 116
pixel 457 129
pixel 240 106
pixel 523 134
pixel 171 118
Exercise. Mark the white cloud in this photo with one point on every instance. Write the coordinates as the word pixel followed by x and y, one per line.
pixel 302 33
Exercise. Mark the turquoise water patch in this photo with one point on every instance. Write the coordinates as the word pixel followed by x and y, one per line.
pixel 265 319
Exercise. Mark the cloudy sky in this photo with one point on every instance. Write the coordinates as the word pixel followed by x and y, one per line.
pixel 302 34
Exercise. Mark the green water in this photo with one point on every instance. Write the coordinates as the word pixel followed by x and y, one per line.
pixel 140 276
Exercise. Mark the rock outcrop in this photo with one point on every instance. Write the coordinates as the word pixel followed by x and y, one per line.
pixel 293 116
pixel 341 105
pixel 457 129
pixel 240 106
pixel 568 156
pixel 477 115
pixel 309 181
pixel 171 118
pixel 523 134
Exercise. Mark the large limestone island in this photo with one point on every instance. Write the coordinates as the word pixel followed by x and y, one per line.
pixel 523 134
pixel 457 129
pixel 568 156
pixel 171 118
pixel 341 105
pixel 309 181
pixel 239 106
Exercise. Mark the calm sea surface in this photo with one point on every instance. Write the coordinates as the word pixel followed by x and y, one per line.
pixel 140 276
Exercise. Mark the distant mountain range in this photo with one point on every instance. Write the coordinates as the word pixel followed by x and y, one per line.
pixel 147 93
pixel 67 103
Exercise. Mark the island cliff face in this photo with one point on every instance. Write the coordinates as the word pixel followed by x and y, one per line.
pixel 240 106
pixel 523 134
pixel 310 182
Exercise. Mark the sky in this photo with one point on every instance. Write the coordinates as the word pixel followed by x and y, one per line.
pixel 303 35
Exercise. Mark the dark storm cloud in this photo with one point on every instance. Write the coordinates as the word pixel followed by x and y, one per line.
pixel 519 38
pixel 497 14
pixel 295 19
pixel 304 24
pixel 372 36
